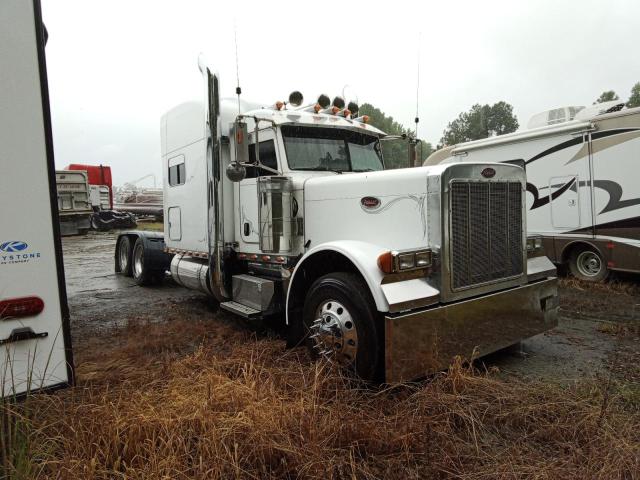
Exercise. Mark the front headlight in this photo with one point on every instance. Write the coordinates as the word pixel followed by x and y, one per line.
pixel 406 261
pixel 393 261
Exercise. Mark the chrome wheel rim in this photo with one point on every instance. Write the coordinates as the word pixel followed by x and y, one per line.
pixel 589 263
pixel 333 333
pixel 137 262
pixel 124 255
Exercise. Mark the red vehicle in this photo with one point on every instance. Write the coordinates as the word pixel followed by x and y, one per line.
pixel 97 175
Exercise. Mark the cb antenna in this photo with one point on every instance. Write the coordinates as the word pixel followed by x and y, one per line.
pixel 238 89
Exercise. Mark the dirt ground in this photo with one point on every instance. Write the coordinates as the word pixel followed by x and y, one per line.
pixel 598 332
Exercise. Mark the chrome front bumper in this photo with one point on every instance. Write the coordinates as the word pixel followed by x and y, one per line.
pixel 423 342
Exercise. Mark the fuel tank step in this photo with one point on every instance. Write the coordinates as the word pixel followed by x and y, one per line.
pixel 240 309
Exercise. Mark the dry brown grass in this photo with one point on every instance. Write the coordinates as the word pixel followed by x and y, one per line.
pixel 613 285
pixel 196 399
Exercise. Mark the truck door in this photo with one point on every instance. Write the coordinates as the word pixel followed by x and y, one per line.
pixel 565 201
pixel 35 344
pixel 248 190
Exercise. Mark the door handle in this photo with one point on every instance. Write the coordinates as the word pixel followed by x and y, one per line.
pixel 247 229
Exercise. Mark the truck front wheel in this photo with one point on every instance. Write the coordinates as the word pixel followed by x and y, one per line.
pixel 340 323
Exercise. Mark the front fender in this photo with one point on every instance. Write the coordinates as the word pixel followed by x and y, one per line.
pixel 363 255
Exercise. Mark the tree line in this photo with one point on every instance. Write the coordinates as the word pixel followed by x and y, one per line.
pixel 480 121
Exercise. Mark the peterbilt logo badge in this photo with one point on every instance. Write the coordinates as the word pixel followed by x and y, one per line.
pixel 488 172
pixel 370 202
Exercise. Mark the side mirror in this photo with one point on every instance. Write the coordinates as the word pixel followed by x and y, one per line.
pixel 241 135
pixel 236 172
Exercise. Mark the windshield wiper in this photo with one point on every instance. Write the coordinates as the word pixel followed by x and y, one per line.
pixel 365 170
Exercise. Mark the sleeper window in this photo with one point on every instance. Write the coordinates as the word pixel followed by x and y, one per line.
pixel 177 173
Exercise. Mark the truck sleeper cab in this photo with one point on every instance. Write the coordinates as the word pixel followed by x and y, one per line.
pixel 389 272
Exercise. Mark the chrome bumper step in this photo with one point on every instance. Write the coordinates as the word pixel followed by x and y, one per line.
pixel 240 309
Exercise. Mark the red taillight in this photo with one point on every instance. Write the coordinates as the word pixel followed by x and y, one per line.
pixel 21 307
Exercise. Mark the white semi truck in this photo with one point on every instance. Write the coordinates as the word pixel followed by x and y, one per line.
pixel 287 212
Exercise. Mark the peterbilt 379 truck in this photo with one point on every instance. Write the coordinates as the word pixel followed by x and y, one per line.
pixel 287 212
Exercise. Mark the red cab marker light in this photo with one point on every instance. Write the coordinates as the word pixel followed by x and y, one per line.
pixel 21 307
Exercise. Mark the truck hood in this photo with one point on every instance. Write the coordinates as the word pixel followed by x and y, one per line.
pixel 387 208
pixel 385 183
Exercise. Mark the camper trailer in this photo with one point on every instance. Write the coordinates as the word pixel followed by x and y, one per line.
pixel 35 341
pixel 583 188
pixel 285 211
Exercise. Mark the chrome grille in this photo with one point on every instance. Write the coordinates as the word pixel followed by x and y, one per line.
pixel 485 232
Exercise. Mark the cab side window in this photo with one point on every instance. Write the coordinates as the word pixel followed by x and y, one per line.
pixel 267 157
pixel 177 173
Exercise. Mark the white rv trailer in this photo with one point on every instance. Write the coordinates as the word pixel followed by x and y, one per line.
pixel 35 345
pixel 583 183
pixel 384 271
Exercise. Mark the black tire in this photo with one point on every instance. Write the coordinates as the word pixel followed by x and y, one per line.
pixel 124 255
pixel 350 294
pixel 586 263
pixel 141 273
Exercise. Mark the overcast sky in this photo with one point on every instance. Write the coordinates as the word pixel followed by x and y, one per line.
pixel 115 66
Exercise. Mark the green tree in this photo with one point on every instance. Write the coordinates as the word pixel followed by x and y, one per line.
pixel 607 96
pixel 634 99
pixel 481 121
pixel 395 152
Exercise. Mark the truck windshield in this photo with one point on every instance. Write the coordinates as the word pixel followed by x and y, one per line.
pixel 333 149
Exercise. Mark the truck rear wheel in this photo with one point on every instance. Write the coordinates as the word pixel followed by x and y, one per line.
pixel 124 255
pixel 141 273
pixel 339 317
pixel 586 263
